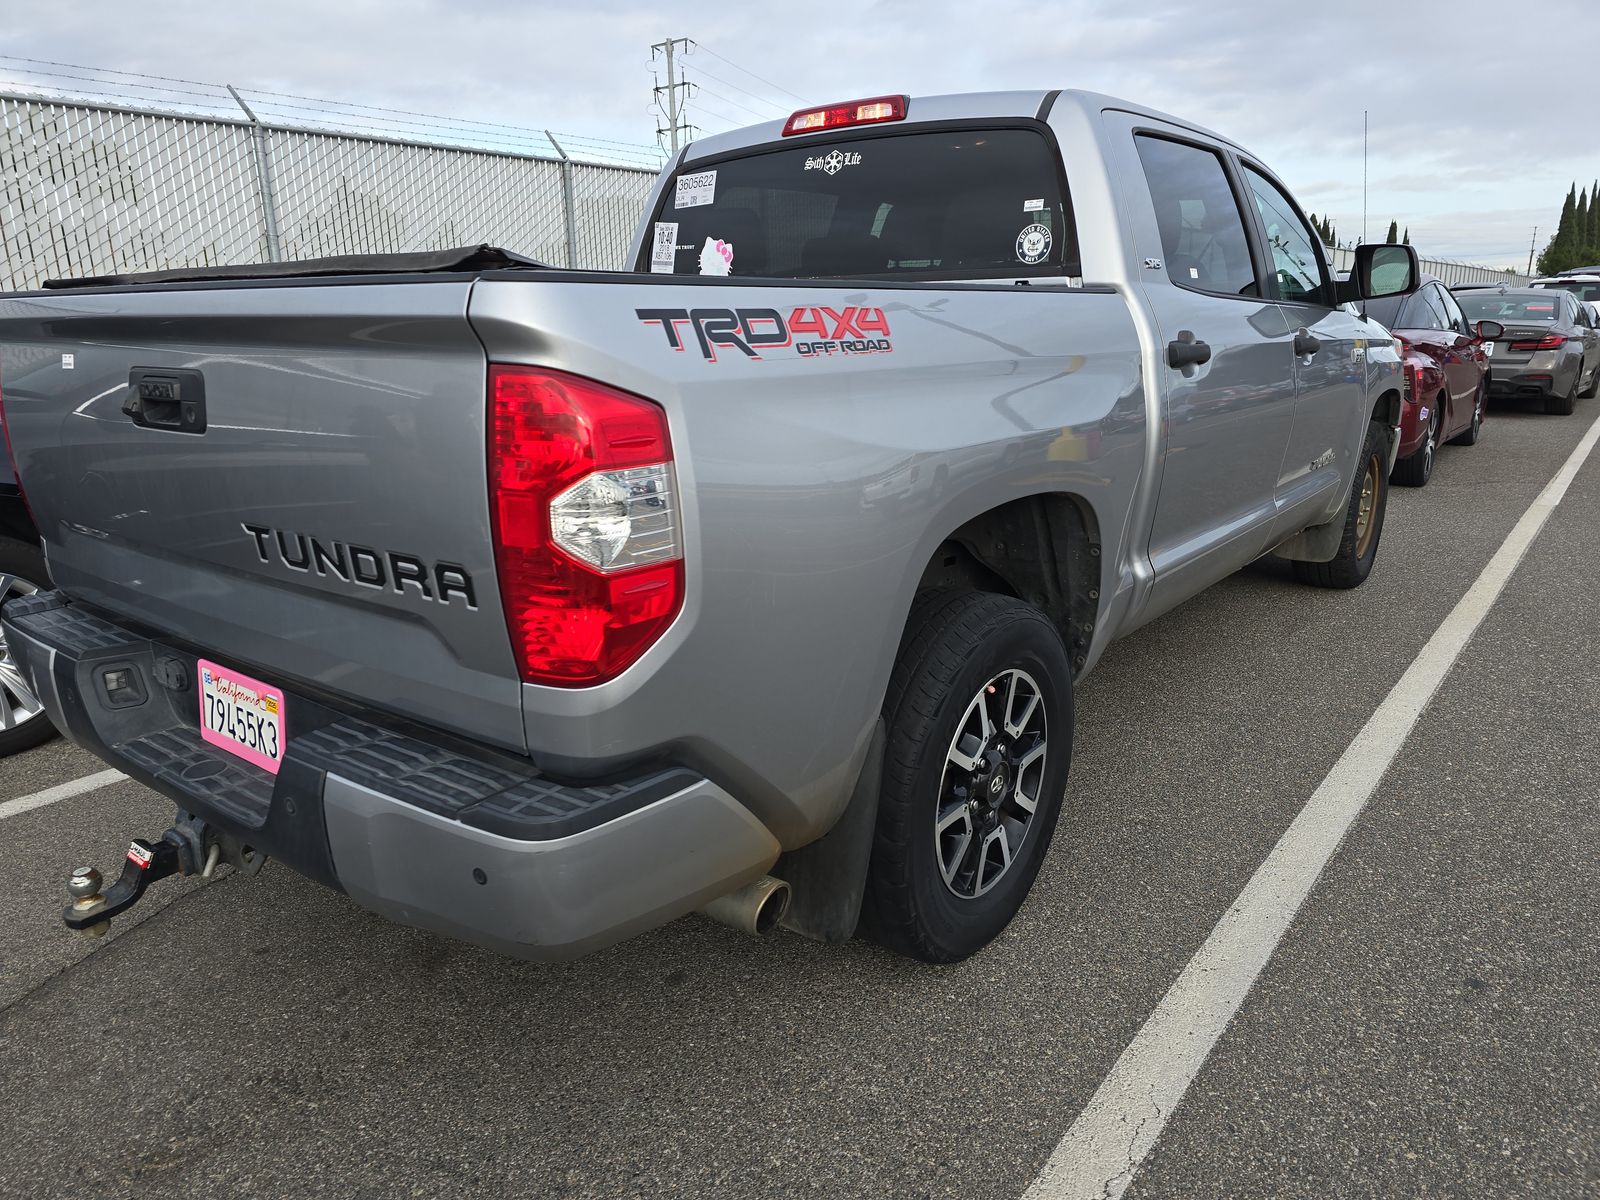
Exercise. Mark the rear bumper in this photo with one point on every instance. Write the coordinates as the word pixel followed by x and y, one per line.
pixel 419 827
pixel 1529 383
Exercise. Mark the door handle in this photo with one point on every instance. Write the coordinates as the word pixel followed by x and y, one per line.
pixel 1187 351
pixel 1305 343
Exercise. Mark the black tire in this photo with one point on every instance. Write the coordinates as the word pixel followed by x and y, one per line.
pixel 1594 385
pixel 1474 431
pixel 1563 406
pixel 955 645
pixel 1416 469
pixel 24 563
pixel 1358 547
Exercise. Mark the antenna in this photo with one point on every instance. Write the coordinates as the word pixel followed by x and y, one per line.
pixel 672 106
pixel 1363 174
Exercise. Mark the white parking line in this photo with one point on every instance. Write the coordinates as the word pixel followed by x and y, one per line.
pixel 1105 1146
pixel 62 791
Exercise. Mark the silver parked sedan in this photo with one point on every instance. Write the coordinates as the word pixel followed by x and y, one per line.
pixel 1550 348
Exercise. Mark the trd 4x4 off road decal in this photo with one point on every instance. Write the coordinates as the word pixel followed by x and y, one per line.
pixel 754 331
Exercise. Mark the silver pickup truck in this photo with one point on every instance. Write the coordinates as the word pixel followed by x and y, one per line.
pixel 541 607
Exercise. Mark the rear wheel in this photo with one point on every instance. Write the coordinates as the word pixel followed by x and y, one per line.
pixel 1363 520
pixel 979 716
pixel 1417 469
pixel 23 723
pixel 1562 406
pixel 1470 435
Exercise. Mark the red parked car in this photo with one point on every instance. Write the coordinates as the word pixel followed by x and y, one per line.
pixel 1447 361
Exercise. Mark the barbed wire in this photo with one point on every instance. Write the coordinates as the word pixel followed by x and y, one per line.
pixel 67 81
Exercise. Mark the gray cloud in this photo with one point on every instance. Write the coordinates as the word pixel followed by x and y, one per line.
pixel 1466 147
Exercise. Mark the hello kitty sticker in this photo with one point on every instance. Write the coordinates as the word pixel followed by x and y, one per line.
pixel 716 257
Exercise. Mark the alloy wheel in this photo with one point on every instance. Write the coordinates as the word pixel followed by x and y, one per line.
pixel 18 704
pixel 989 788
pixel 1371 482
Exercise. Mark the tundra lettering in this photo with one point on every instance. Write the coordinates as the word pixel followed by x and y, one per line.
pixel 443 581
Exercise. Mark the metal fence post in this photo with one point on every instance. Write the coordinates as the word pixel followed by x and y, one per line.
pixel 568 208
pixel 263 160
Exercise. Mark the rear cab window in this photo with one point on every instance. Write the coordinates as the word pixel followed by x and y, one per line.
pixel 965 203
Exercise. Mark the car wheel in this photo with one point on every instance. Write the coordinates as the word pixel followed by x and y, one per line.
pixel 1363 520
pixel 979 716
pixel 23 723
pixel 1562 406
pixel 1594 385
pixel 1417 469
pixel 1470 435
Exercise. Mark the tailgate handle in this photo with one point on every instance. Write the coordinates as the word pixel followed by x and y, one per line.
pixel 167 399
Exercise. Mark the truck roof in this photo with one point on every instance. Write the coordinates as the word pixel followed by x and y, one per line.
pixel 958 106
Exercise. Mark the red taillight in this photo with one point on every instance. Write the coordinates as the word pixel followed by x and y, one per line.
pixel 1411 380
pixel 584 510
pixel 1550 341
pixel 853 112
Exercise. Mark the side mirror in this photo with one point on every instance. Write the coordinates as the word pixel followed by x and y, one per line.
pixel 1490 331
pixel 1382 270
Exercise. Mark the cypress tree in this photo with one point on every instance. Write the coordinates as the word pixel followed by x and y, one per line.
pixel 1394 233
pixel 1406 241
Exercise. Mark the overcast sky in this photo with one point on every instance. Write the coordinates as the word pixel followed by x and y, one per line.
pixel 1474 137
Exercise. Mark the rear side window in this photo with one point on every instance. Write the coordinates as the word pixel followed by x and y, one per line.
pixel 1202 230
pixel 967 203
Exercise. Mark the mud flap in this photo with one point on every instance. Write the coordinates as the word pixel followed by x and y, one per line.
pixel 828 878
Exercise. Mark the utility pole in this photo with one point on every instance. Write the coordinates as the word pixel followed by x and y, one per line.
pixel 1532 242
pixel 668 100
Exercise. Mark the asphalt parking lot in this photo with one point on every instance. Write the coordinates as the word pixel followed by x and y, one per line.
pixel 1426 1028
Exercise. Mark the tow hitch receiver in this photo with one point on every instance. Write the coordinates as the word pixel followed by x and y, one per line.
pixel 174 853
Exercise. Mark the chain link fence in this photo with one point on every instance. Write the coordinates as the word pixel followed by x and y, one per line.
pixel 1343 259
pixel 92 190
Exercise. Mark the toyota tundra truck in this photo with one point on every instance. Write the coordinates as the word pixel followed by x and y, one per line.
pixel 540 607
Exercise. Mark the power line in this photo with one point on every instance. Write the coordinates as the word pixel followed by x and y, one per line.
pixel 782 108
pixel 700 87
pixel 747 71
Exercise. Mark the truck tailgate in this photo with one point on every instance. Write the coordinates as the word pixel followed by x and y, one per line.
pixel 330 523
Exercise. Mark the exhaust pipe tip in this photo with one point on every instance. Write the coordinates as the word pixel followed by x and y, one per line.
pixel 756 908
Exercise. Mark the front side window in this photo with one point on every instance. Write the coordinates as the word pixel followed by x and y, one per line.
pixel 1454 317
pixel 1202 231
pixel 967 203
pixel 1295 258
pixel 1440 315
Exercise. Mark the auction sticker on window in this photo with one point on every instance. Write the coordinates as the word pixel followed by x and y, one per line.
pixel 1033 244
pixel 241 715
pixel 664 249
pixel 695 190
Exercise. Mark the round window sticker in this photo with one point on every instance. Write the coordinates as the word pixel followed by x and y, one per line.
pixel 1033 244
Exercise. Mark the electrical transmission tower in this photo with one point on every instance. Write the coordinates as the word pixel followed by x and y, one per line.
pixel 673 96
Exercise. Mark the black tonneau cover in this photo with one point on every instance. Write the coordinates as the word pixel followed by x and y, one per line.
pixel 465 258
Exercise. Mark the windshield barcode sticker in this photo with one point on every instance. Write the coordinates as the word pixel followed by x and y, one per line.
pixel 695 190
pixel 664 250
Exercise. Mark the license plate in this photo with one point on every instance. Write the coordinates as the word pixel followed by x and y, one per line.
pixel 241 715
